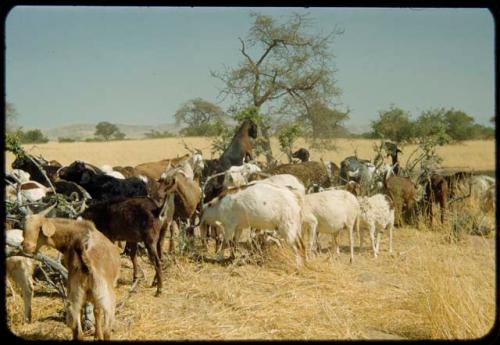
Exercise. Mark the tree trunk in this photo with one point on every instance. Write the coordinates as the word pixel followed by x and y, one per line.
pixel 267 144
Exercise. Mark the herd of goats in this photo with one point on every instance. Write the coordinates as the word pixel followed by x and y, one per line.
pixel 82 210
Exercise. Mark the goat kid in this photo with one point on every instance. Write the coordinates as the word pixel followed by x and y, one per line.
pixel 377 215
pixel 93 264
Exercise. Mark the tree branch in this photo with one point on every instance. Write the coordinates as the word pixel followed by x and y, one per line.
pixel 268 50
pixel 245 54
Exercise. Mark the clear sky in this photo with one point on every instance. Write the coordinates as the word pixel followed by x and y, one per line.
pixel 137 65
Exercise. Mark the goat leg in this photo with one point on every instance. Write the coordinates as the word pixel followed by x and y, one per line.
pixel 88 317
pixel 153 254
pixel 133 257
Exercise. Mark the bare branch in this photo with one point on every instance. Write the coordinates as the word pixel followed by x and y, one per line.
pixel 268 50
pixel 245 54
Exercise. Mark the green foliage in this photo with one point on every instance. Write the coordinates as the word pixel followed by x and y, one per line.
pixel 323 121
pixel 222 139
pixel 34 136
pixel 13 144
pixel 91 140
pixel 483 132
pixel 154 134
pixel 439 125
pixel 394 124
pixel 287 136
pixel 66 140
pixel 458 124
pixel 201 130
pixel 432 123
pixel 249 113
pixel 119 135
pixel 107 131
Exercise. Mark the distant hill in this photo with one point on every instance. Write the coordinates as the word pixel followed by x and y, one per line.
pixel 83 131
pixel 359 129
pixel 87 130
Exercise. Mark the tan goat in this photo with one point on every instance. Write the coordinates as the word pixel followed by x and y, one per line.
pixel 93 264
pixel 153 170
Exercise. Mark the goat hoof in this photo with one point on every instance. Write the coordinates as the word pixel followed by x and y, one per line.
pixel 158 293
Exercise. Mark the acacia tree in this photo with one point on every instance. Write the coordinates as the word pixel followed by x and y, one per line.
pixel 107 131
pixel 323 121
pixel 284 67
pixel 200 116
pixel 431 123
pixel 394 124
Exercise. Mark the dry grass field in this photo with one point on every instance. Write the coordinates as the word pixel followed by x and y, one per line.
pixel 479 154
pixel 434 286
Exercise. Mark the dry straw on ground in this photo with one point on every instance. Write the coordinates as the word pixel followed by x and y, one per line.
pixel 432 287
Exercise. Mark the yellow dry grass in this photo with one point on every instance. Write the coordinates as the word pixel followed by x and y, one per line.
pixel 478 154
pixel 430 288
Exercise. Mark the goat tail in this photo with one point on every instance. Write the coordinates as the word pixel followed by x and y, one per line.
pixel 81 250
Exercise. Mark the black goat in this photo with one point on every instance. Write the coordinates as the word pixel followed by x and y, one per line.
pixel 101 186
pixel 133 220
pixel 301 154
pixel 26 164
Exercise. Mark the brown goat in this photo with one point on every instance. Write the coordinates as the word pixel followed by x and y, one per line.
pixel 153 170
pixel 93 264
pixel 126 171
pixel 436 191
pixel 133 220
pixel 402 192
pixel 456 180
pixel 182 197
pixel 240 147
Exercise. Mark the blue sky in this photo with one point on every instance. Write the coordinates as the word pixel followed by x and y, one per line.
pixel 137 65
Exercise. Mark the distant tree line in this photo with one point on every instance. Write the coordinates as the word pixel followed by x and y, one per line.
pixel 446 125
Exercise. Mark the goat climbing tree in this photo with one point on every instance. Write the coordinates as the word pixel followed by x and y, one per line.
pixel 284 67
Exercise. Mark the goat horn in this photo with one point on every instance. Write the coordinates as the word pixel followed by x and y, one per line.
pixel 47 210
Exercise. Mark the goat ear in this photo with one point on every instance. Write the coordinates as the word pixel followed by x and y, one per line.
pixel 48 228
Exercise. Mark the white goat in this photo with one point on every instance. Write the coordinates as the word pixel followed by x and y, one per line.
pixel 19 269
pixel 185 168
pixel 284 180
pixel 480 184
pixel 197 163
pixel 329 168
pixel 377 215
pixel 261 206
pixel 108 170
pixel 488 200
pixel 237 176
pixel 19 175
pixel 26 192
pixel 330 212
